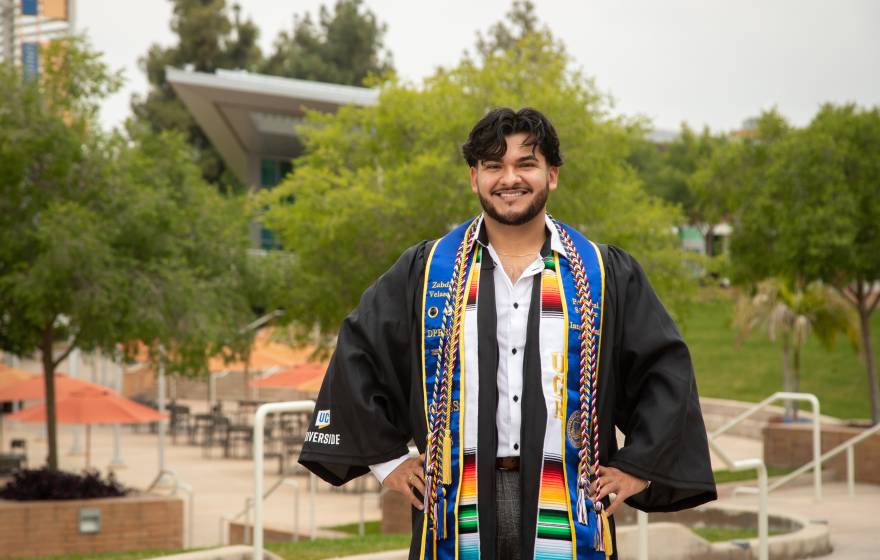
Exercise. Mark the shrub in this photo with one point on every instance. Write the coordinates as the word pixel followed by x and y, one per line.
pixel 46 484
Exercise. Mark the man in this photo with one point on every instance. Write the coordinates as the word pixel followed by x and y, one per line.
pixel 508 351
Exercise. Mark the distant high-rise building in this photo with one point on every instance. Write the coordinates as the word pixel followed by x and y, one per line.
pixel 27 24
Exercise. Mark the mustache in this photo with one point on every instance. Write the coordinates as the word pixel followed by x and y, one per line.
pixel 517 187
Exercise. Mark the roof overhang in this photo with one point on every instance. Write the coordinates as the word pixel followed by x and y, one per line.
pixel 245 114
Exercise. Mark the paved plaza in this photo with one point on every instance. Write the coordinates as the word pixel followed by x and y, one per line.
pixel 222 485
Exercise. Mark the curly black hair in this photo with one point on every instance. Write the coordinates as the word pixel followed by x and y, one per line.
pixel 487 140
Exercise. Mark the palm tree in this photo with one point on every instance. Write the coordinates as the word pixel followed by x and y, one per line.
pixel 791 314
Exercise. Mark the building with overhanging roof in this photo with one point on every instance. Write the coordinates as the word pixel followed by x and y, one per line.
pixel 251 118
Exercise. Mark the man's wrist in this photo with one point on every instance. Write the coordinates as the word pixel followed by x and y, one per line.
pixel 382 470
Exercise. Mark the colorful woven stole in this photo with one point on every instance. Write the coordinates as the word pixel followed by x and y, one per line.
pixel 568 524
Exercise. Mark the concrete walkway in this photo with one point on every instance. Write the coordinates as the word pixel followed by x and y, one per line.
pixel 854 521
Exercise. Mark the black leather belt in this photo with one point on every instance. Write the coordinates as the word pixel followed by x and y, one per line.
pixel 507 463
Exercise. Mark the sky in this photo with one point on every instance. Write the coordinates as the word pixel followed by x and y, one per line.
pixel 707 62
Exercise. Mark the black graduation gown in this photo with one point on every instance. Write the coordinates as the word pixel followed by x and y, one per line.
pixel 373 388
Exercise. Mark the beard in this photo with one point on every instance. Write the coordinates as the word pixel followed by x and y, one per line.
pixel 513 218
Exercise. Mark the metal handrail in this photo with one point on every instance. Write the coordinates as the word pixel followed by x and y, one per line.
pixel 249 504
pixel 177 486
pixel 846 446
pixel 817 438
pixel 758 464
pixel 259 435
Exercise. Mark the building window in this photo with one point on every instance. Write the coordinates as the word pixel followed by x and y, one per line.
pixel 272 172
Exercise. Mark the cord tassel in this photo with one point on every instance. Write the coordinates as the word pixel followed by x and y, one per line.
pixel 447 457
pixel 606 533
pixel 440 515
pixel 601 520
pixel 582 506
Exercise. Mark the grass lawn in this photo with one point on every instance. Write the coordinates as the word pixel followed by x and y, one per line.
pixel 373 541
pixel 753 370
pixel 723 476
pixel 330 548
pixel 718 534
pixel 134 555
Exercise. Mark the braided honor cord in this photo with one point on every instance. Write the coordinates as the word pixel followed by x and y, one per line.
pixel 435 491
pixel 589 377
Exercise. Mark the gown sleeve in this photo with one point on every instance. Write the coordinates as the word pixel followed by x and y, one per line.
pixel 362 414
pixel 656 405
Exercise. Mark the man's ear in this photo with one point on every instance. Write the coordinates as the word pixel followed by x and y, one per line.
pixel 474 179
pixel 552 178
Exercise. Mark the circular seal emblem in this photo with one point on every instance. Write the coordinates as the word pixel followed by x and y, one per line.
pixel 432 312
pixel 573 429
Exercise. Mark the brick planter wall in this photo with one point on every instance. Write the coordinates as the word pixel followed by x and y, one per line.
pixel 51 527
pixel 396 513
pixel 791 445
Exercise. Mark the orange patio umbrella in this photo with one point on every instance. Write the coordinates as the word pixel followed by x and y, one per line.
pixel 34 388
pixel 304 377
pixel 265 353
pixel 10 375
pixel 92 405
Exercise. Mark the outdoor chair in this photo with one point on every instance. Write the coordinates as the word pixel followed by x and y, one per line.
pixel 291 447
pixel 180 420
pixel 214 433
pixel 19 447
pixel 9 463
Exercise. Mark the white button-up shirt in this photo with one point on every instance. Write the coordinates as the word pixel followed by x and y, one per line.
pixel 512 302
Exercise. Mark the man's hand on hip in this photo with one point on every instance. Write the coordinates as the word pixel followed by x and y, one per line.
pixel 615 481
pixel 408 476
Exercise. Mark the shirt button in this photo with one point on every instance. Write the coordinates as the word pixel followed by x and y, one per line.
pixel 516 306
pixel 516 446
pixel 514 350
pixel 515 398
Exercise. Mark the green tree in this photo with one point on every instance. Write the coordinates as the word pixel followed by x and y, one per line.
pixel 815 214
pixel 373 180
pixel 343 47
pixel 791 315
pixel 504 35
pixel 207 40
pixel 108 239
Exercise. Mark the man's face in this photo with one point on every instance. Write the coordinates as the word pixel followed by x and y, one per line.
pixel 514 190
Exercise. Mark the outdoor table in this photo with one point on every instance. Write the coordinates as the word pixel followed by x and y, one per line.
pixel 247 408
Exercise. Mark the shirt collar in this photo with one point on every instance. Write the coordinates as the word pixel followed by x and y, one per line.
pixel 555 241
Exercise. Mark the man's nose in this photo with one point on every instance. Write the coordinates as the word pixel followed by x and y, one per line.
pixel 510 176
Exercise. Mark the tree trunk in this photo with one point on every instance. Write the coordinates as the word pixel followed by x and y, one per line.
pixel 865 328
pixel 786 376
pixel 795 380
pixel 709 240
pixel 49 384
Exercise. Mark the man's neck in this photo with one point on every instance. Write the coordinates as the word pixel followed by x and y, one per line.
pixel 525 239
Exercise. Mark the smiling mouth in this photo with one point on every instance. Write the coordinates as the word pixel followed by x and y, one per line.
pixel 510 194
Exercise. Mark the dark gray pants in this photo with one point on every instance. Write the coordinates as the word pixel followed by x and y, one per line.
pixel 507 514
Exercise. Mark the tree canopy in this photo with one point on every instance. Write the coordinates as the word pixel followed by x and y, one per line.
pixel 344 46
pixel 109 239
pixel 812 211
pixel 375 180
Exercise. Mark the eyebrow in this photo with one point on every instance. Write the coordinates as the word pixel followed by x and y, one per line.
pixel 530 157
